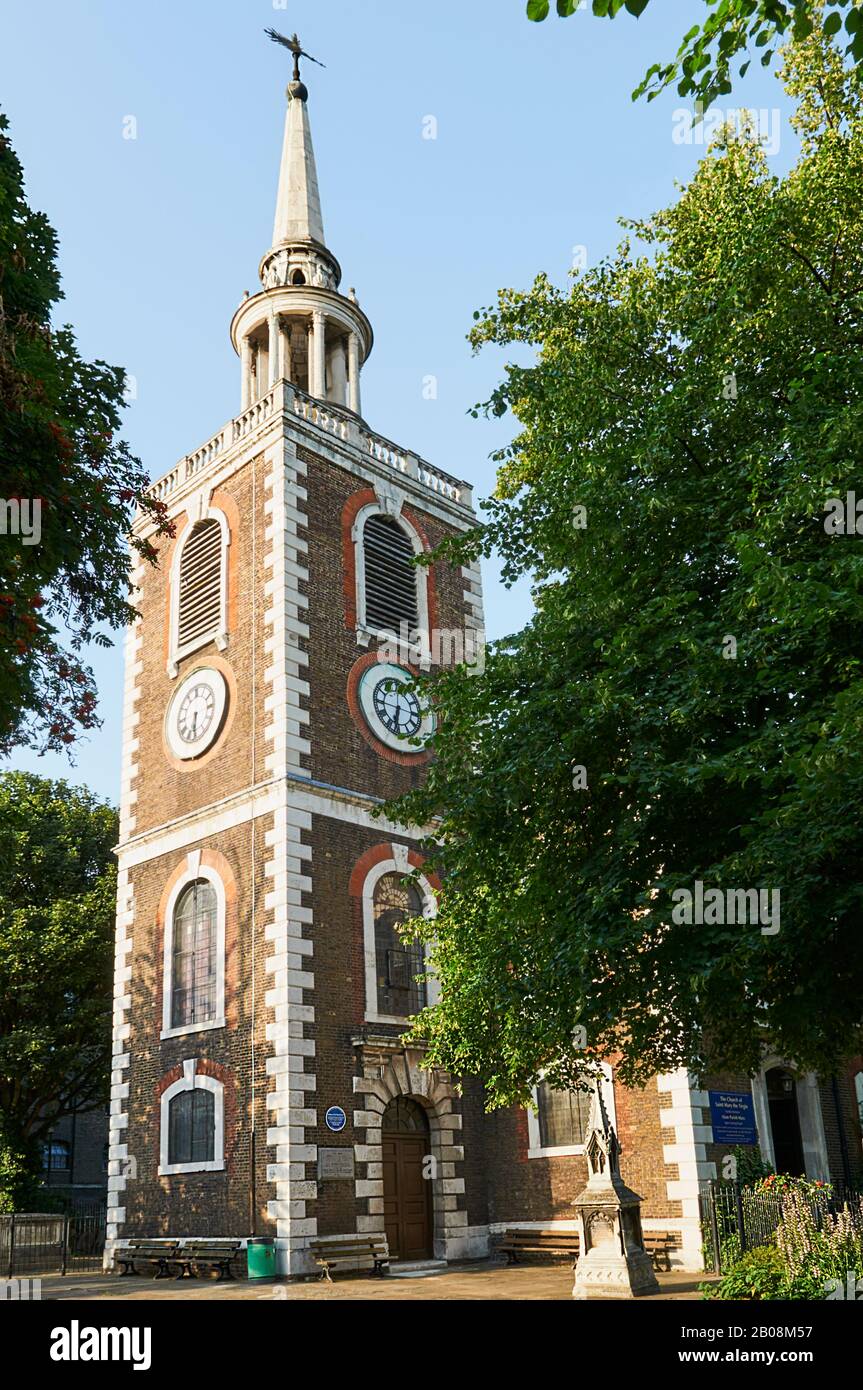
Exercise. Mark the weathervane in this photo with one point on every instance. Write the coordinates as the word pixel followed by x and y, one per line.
pixel 293 46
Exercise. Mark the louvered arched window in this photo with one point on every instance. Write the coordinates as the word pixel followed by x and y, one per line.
pixel 390 576
pixel 199 588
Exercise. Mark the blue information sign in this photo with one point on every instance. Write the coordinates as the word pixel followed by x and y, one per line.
pixel 732 1116
pixel 336 1118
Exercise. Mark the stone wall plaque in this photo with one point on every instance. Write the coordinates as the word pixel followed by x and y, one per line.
pixel 335 1165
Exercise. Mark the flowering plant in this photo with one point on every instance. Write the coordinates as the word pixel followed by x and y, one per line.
pixel 781 1184
pixel 818 1243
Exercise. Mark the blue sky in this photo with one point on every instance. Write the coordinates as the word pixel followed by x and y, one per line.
pixel 539 150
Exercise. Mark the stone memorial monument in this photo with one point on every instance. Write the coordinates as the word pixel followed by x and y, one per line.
pixel 612 1260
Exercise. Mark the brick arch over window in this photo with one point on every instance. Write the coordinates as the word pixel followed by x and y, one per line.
pixel 194 1073
pixel 192 530
pixel 370 869
pixel 211 865
pixel 386 1076
pixel 367 502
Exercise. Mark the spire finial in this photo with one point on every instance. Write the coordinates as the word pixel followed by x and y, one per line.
pixel 293 46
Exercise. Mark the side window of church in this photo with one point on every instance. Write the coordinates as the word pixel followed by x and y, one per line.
pixel 193 963
pixel 563 1116
pixel 192 1127
pixel 390 576
pixel 399 993
pixel 200 591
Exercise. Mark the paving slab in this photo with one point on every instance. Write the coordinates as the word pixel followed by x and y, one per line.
pixel 485 1280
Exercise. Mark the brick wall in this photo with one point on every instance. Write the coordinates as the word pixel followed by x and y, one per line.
pixel 210 1203
pixel 164 789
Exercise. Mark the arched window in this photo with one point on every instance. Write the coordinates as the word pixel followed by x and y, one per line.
pixel 557 1122
pixel 194 956
pixel 390 576
pixel 397 962
pixel 200 586
pixel 192 1127
pixel 404 1116
pixel 298 278
pixel 563 1116
pixel 192 1123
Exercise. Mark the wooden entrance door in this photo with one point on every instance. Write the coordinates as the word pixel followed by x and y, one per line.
pixel 407 1192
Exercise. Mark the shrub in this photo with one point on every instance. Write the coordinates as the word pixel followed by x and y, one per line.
pixel 751 1167
pixel 761 1276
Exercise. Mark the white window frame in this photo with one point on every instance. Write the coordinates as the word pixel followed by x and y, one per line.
pixel 194 870
pixel 399 864
pixel 191 1080
pixel 534 1143
pixel 366 633
pixel 220 637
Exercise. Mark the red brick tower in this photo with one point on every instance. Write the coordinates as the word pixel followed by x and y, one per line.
pixel 261 985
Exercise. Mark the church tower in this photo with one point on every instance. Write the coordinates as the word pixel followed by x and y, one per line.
pixel 259 1084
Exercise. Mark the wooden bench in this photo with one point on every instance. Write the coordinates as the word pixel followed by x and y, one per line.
pixel 206 1254
pixel 158 1252
pixel 516 1242
pixel 659 1245
pixel 368 1251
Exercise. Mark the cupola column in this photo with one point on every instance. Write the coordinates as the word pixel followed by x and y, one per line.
pixel 246 374
pixel 274 348
pixel 354 373
pixel 285 367
pixel 318 352
pixel 339 373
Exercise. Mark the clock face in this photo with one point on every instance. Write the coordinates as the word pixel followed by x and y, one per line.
pixel 393 711
pixel 195 713
pixel 396 707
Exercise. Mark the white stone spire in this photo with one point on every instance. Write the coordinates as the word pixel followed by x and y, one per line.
pixel 299 328
pixel 298 206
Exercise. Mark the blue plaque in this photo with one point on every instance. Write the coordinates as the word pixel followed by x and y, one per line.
pixel 732 1117
pixel 336 1118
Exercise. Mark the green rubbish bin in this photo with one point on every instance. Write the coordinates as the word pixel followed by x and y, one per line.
pixel 261 1257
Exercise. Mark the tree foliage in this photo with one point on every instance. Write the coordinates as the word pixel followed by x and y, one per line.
pixel 701 397
pixel 702 66
pixel 57 901
pixel 59 418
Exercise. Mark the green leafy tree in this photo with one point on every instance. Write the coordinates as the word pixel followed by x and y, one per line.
pixel 68 491
pixel 687 702
pixel 57 900
pixel 702 65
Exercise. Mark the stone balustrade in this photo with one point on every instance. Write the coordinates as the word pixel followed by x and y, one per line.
pixel 325 415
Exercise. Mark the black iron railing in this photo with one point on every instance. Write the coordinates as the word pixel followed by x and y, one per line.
pixel 33 1243
pixel 735 1219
